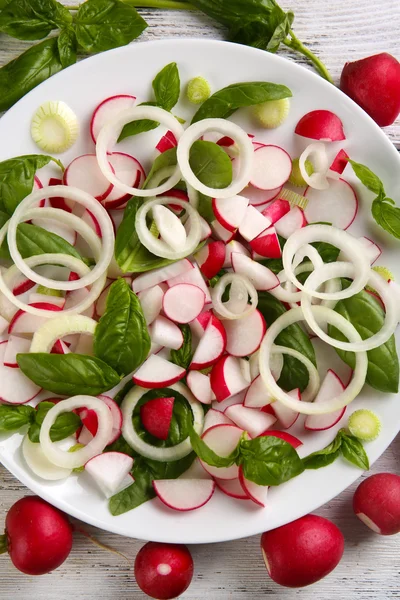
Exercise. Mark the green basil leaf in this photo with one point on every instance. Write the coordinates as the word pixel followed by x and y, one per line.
pixel 68 374
pixel 183 356
pixel 269 460
pixel 294 374
pixel 204 208
pixel 211 164
pixel 4 251
pixel 25 72
pixel 121 338
pixel 105 24
pixel 324 457
pixel 12 418
pixel 33 240
pixel 223 103
pixel 33 19
pixel 387 216
pixel 367 315
pixel 166 86
pixel 66 424
pixel 367 177
pixel 209 456
pixel 353 451
pixel 67 47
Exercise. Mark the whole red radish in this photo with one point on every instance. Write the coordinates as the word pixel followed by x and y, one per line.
pixel 302 552
pixel 163 571
pixel 377 503
pixel 374 83
pixel 38 537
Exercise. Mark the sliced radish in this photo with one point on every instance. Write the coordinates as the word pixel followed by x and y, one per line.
pixel 230 212
pixel 257 395
pixel 194 277
pixel 215 417
pixel 267 244
pixel 183 302
pixel 3 325
pixel 75 297
pixel 156 276
pixel 253 224
pixel 286 416
pixel 198 326
pixel 321 125
pixel 250 419
pixel 107 110
pixel 195 471
pixel 291 222
pixel 151 300
pixel 90 422
pixel 24 322
pixel 200 386
pixel 63 231
pixel 22 285
pixel 58 202
pixel 211 258
pixel 84 436
pixel 89 218
pixel 205 229
pixel 232 488
pixel 222 439
pixel 15 388
pixel 227 378
pixel 156 416
pixel 156 372
pixel 244 336
pixel 15 345
pixel 211 346
pixel 283 435
pixel 164 332
pixel 257 493
pixel 337 205
pixel 34 298
pixel 276 210
pixel 330 388
pixel 84 173
pixel 236 399
pixel 257 197
pixel 340 162
pixel 184 494
pixel 37 184
pixel 128 170
pixel 230 248
pixel 261 277
pixel 60 347
pixel 272 166
pixel 174 193
pixel 221 233
pixel 167 142
pixel 374 251
pixel 109 470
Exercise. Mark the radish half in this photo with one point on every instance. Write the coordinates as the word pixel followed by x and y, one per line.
pixel 16 388
pixel 184 494
pixel 194 277
pixel 183 302
pixel 164 332
pixel 266 245
pixel 286 416
pixel 261 277
pixel 109 470
pixel 215 417
pixel 257 197
pixel 244 336
pixel 15 345
pixel 151 278
pixel 253 224
pixel 211 258
pixel 330 388
pixel 250 419
pixel 211 346
pixel 156 372
pixel 107 109
pixel 256 493
pixel 200 386
pixel 276 210
pixel 221 233
pixel 232 488
pixel 257 395
pixel 222 439
pixel 321 125
pixel 337 205
pixel 291 222
pixel 151 301
pixel 272 166
pixel 227 378
pixel 230 212
pixel 84 173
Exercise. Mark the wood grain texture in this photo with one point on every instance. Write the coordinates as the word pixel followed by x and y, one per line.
pixel 370 569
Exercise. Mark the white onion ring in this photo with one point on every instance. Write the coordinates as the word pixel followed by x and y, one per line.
pixel 286 293
pixel 72 460
pixel 218 290
pixel 345 269
pixel 109 134
pixel 238 297
pixel 313 377
pixel 100 213
pixel 159 247
pixel 137 443
pixel 193 133
pixel 339 238
pixel 317 179
pixel 45 337
pixel 327 315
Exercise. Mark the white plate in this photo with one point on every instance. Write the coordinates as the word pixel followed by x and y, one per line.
pixel 131 70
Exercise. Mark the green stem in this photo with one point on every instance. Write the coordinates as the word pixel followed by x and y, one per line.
pixel 295 44
pixel 168 4
pixel 3 544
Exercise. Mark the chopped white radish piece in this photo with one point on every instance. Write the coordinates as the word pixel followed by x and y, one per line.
pixel 236 399
pixel 253 224
pixel 321 125
pixel 222 439
pixel 15 345
pixel 244 336
pixel 287 417
pixel 211 258
pixel 267 244
pixel 193 277
pixel 183 302
pixel 250 419
pixel 60 347
pixel 24 322
pixel 215 417
pixel 230 212
pixel 337 205
pixel 66 233
pixel 125 483
pixel 109 470
pixel 184 494
pixel 195 471
pixel 34 297
pixel 165 332
pixel 128 170
pixel 151 301
pixel 257 197
pixel 107 110
pixel 75 297
pixel 291 222
pixel 227 378
pixel 330 388
pixel 232 488
pixel 156 372
pixel 84 173
pixel 221 233
pixel 276 210
pixel 211 346
pixel 257 493
pixel 230 248
pixel 200 386
pixel 205 229
pixel 15 388
pixel 198 326
pixel 170 227
pixel 271 167
pixel 257 395
pixel 3 325
pixel 84 436
pixel 152 278
pixel 261 277
pixel 39 464
pixel 89 218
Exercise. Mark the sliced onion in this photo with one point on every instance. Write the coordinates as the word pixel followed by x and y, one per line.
pixel 238 297
pixel 345 269
pixel 72 460
pixel 193 133
pixel 288 292
pixel 109 135
pixel 193 195
pixel 137 443
pixel 313 377
pixel 325 315
pixel 161 175
pixel 45 337
pixel 222 308
pixel 159 247
pixel 318 179
pixel 342 240
pixel 71 193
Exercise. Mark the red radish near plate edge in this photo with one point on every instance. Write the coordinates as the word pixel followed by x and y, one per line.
pixel 376 503
pixel 184 494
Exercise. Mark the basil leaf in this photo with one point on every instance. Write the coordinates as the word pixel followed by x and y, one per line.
pixel 67 47
pixel 209 456
pixel 387 216
pixel 205 209
pixel 294 374
pixel 121 338
pixel 33 19
pixel 68 374
pixel 12 418
pixel 183 356
pixel 327 252
pixel 105 24
pixel 223 103
pixel 211 164
pixel 166 86
pixel 367 177
pixel 66 424
pixel 21 75
pixel 353 451
pixel 269 460
pixel 366 314
pixel 4 251
pixel 33 240
pixel 324 457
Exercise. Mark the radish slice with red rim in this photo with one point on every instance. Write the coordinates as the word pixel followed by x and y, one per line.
pixel 232 488
pixel 337 205
pixel 222 439
pixel 184 494
pixel 84 173
pixel 321 125
pixel 108 109
pixel 257 197
pixel 16 388
pixel 271 168
pixel 129 170
pixel 183 302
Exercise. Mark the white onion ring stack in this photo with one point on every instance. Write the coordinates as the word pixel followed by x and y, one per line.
pixel 224 309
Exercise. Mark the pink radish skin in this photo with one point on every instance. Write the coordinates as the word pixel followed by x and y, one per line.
pixel 23 286
pixel 156 372
pixel 230 212
pixel 376 503
pixel 180 195
pixel 330 388
pixel 198 326
pixel 257 394
pixel 227 378
pixel 129 171
pixel 222 439
pixel 276 210
pixel 16 388
pixel 184 494
pixel 283 435
pixel 167 142
pixel 295 219
pixel 151 278
pixel 91 220
pixel 15 345
pixel 257 197
pixel 23 322
pixel 58 202
pixel 286 416
pixel 211 258
pixel 205 229
pixel 200 386
pixel 107 109
pixel 156 416
pixel 267 244
pixel 250 419
pixel 232 488
pixel 337 205
pixel 256 493
pixel 193 277
pixel 261 277
pixel 34 298
pixel 244 336
pixel 215 417
pixel 321 125
pixel 211 346
pixel 234 247
pixel 163 571
pixel 184 302
pixel 272 166
pixel 340 162
pixel 374 84
pixel 90 423
pixel 221 233
pixel 84 173
pixel 253 224
pixel 108 470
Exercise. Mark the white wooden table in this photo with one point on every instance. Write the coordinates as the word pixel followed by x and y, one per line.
pixel 370 569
